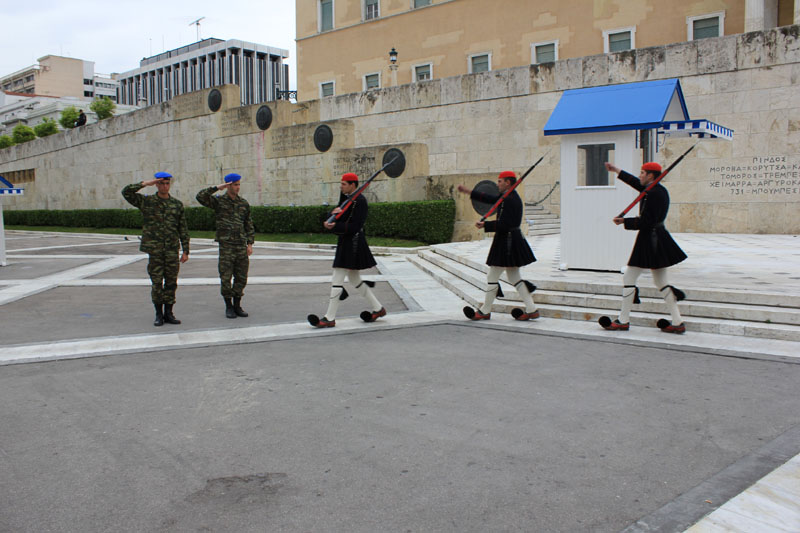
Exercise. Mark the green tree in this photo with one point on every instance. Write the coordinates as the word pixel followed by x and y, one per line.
pixel 6 141
pixel 22 134
pixel 46 127
pixel 103 107
pixel 68 117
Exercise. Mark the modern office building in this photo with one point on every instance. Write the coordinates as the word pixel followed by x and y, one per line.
pixel 256 68
pixel 60 77
pixel 343 46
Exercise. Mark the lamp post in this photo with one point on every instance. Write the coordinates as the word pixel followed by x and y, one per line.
pixel 393 65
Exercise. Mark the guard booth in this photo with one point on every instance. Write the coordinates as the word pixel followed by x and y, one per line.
pixel 6 189
pixel 622 124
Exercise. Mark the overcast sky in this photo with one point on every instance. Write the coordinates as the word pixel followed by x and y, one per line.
pixel 117 35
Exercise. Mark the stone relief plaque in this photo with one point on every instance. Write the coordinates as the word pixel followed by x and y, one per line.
pixel 214 100
pixel 264 117
pixel 323 138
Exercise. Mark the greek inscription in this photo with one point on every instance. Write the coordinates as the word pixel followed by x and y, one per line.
pixel 772 176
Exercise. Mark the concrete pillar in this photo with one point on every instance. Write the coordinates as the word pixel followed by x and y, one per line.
pixel 797 11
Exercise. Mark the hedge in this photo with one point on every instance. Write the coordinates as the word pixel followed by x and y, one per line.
pixel 426 221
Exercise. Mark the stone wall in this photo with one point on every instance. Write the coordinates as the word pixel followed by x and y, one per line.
pixel 452 130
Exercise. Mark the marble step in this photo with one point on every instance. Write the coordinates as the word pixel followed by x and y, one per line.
pixel 541 216
pixel 730 296
pixel 581 307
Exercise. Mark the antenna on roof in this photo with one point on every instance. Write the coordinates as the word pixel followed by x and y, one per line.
pixel 197 23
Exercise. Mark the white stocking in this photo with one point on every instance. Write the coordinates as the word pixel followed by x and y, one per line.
pixel 516 279
pixel 660 279
pixel 628 292
pixel 493 282
pixel 363 289
pixel 337 287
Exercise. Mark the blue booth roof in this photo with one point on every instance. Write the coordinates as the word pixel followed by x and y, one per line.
pixel 629 106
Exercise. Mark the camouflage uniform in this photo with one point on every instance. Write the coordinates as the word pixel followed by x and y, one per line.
pixel 164 226
pixel 235 231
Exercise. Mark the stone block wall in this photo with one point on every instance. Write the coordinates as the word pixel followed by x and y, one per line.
pixel 453 129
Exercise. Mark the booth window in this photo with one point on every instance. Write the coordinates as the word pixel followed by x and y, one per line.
pixel 591 171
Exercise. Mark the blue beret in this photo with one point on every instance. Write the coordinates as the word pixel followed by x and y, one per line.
pixel 230 178
pixel 163 175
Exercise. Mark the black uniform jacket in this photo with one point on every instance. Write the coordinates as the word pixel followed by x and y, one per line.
pixel 352 251
pixel 509 246
pixel 654 247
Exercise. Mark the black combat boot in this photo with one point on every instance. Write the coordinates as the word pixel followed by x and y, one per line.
pixel 229 312
pixel 237 307
pixel 159 321
pixel 169 318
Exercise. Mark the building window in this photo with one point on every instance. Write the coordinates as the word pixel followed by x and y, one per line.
pixel 705 26
pixel 423 72
pixel 88 93
pixel 371 9
pixel 421 3
pixel 325 15
pixel 480 63
pixel 619 40
pixel 591 172
pixel 372 81
pixel 327 89
pixel 546 52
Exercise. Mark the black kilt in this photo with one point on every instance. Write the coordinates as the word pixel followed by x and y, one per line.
pixel 352 252
pixel 655 248
pixel 510 249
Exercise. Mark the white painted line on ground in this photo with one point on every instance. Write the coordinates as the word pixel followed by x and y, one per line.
pixel 69 246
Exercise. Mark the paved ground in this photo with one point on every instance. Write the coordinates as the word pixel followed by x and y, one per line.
pixel 415 423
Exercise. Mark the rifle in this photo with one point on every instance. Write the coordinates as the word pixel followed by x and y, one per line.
pixel 349 201
pixel 510 190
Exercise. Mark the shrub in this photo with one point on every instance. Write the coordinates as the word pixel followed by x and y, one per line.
pixel 6 141
pixel 68 117
pixel 428 221
pixel 46 127
pixel 22 134
pixel 103 107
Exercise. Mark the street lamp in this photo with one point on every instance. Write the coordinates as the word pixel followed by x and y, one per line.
pixel 393 65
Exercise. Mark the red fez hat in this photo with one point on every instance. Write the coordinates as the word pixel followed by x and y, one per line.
pixel 651 167
pixel 507 174
pixel 349 177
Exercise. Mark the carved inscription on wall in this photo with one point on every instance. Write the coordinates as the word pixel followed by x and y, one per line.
pixel 767 177
pixel 363 164
pixel 290 141
pixel 190 104
pixel 236 120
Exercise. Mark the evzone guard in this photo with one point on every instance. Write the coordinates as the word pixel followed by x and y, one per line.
pixel 352 254
pixel 509 250
pixel 654 248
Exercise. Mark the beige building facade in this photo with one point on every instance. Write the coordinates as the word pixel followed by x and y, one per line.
pixel 60 76
pixel 343 46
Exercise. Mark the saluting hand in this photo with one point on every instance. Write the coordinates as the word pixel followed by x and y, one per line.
pixel 223 186
pixel 149 183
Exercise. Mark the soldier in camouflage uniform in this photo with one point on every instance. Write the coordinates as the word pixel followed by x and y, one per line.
pixel 235 235
pixel 164 226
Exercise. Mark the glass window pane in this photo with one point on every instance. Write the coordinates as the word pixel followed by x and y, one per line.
pixel 420 3
pixel 480 63
pixel 372 9
pixel 327 89
pixel 423 72
pixel 372 81
pixel 617 42
pixel 705 28
pixel 326 9
pixel 591 171
pixel 546 53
